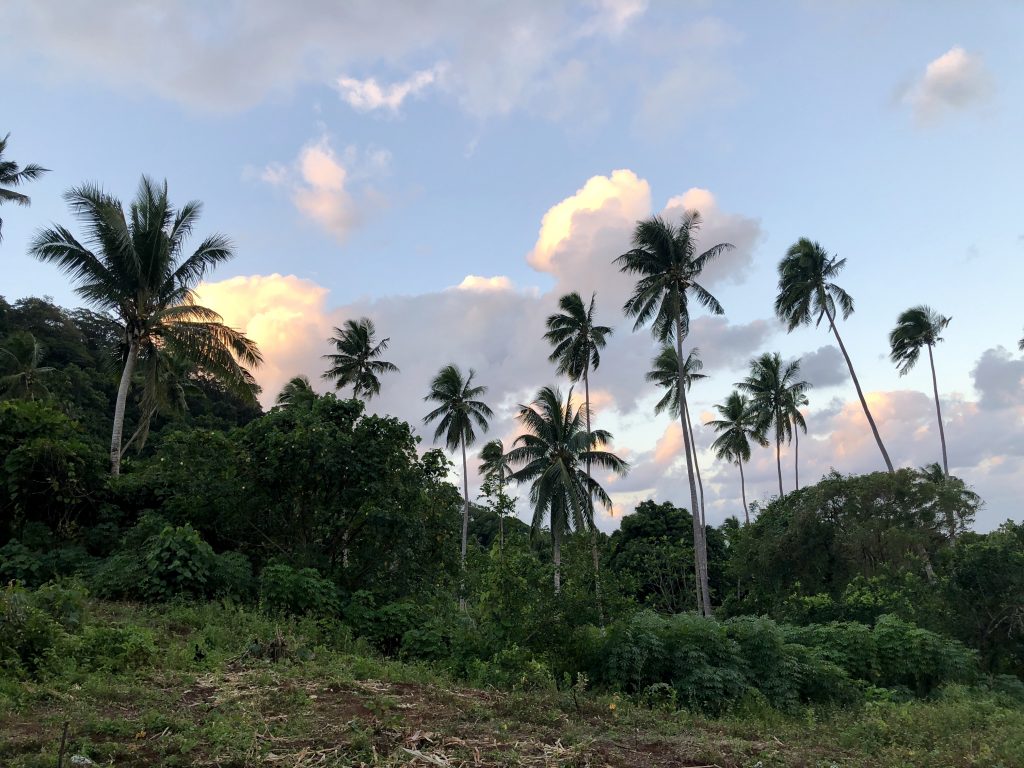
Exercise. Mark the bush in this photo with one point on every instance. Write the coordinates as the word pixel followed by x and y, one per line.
pixel 30 640
pixel 114 649
pixel 514 669
pixel 297 592
pixel 771 665
pixel 179 562
pixel 232 576
pixel 919 659
pixel 64 602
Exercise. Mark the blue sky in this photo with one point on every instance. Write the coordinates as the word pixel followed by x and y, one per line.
pixel 372 155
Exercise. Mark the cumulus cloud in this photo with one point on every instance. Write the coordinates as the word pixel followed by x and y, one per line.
pixel 953 82
pixel 319 183
pixel 999 379
pixel 369 95
pixel 824 367
pixel 484 284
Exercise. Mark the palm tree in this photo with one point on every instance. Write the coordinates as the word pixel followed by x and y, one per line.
pixel 796 400
pixel 21 371
pixel 356 360
pixel 297 391
pixel 138 274
pixel 577 343
pixel 665 373
pixel 458 409
pixel 665 258
pixel 774 394
pixel 495 469
pixel 737 427
pixel 554 453
pixel 165 381
pixel 917 327
pixel 12 176
pixel 806 292
pixel 950 499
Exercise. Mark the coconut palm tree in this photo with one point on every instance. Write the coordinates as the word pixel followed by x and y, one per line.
pixel 297 391
pixel 21 369
pixel 134 268
pixel 918 327
pixel 665 373
pixel 165 382
pixel 737 427
pixel 13 176
pixel 577 343
pixel 496 470
pixel 355 361
pixel 774 392
pixel 459 408
pixel 807 292
pixel 948 499
pixel 666 260
pixel 554 453
pixel 796 400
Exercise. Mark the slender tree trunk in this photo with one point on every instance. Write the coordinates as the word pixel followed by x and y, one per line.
pixel 590 509
pixel 696 469
pixel 465 524
pixel 122 399
pixel 743 492
pixel 860 393
pixel 796 456
pixel 556 555
pixel 938 413
pixel 699 547
pixel 778 457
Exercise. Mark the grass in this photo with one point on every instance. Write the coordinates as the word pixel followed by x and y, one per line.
pixel 213 691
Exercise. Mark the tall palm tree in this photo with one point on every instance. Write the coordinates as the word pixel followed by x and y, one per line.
pixel 577 343
pixel 807 292
pixel 459 408
pixel 737 427
pixel 918 327
pixel 495 468
pixel 665 373
pixel 165 381
pixel 298 390
pixel 796 400
pixel 355 361
pixel 554 453
pixel 665 259
pixel 21 369
pixel 134 268
pixel 13 176
pixel 774 390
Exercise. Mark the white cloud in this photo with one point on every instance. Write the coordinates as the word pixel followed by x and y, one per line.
pixel 484 284
pixel 953 82
pixel 369 95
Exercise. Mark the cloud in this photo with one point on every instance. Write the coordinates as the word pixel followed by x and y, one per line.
pixel 824 367
pixel 953 82
pixel 368 95
pixel 319 183
pixel 484 284
pixel 999 379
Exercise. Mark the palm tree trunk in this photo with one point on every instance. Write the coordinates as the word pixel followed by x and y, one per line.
pixel 699 548
pixel 696 469
pixel 860 393
pixel 938 413
pixel 556 555
pixel 743 493
pixel 590 508
pixel 465 524
pixel 122 399
pixel 796 457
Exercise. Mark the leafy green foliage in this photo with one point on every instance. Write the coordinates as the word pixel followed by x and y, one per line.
pixel 285 589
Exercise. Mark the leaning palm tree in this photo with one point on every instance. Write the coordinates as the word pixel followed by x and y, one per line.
pixel 666 261
pixel 665 373
pixel 355 361
pixel 132 267
pixel 807 292
pixel 297 391
pixel 459 408
pixel 737 427
pixel 774 392
pixel 21 369
pixel 13 176
pixel 577 343
pixel 554 453
pixel 495 468
pixel 917 327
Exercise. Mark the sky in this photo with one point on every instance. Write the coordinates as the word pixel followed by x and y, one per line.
pixel 449 169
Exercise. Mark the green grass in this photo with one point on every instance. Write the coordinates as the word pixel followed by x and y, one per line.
pixel 329 701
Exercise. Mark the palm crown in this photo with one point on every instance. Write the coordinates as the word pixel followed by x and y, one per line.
pixel 917 327
pixel 577 341
pixel 13 176
pixel 133 267
pixel 806 290
pixel 459 407
pixel 494 462
pixel 21 368
pixel 775 393
pixel 665 373
pixel 296 391
pixel 355 361
pixel 737 427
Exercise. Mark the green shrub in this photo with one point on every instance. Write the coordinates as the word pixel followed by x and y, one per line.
pixel 232 576
pixel 707 668
pixel 918 659
pixel 179 562
pixel 770 664
pixel 21 564
pixel 513 668
pixel 284 589
pixel 30 640
pixel 120 576
pixel 64 602
pixel 848 645
pixel 114 649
